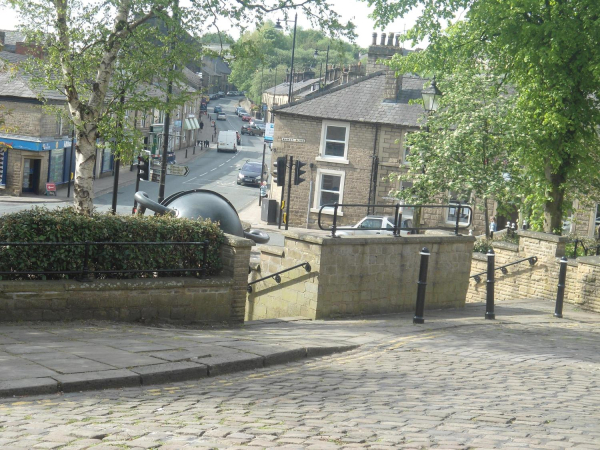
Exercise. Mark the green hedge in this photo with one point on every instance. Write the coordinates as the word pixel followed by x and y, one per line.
pixel 65 225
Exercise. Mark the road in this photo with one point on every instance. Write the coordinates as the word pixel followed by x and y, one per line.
pixel 212 170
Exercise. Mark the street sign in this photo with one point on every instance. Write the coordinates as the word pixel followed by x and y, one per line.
pixel 178 170
pixel 269 132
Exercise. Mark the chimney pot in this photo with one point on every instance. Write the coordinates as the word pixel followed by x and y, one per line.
pixel 382 39
pixel 390 40
pixel 374 39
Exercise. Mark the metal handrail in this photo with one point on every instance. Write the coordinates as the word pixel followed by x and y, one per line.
pixel 532 260
pixel 276 276
pixel 585 249
pixel 397 217
pixel 85 272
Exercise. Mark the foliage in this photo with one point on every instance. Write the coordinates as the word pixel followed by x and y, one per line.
pixel 259 52
pixel 65 225
pixel 482 245
pixel 584 245
pixel 549 51
pixel 467 145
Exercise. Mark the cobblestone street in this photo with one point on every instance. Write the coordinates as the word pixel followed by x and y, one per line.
pixel 532 383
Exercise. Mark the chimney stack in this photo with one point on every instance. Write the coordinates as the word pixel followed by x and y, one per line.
pixel 372 43
pixel 379 53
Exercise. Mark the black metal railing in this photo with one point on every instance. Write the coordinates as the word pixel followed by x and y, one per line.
pixel 587 251
pixel 397 215
pixel 84 272
pixel 276 275
pixel 532 260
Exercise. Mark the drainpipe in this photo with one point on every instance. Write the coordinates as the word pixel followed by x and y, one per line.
pixel 373 183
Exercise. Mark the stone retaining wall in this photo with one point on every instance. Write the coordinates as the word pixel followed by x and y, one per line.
pixel 541 280
pixel 209 300
pixel 358 275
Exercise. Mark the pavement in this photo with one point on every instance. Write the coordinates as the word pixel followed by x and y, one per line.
pixel 524 380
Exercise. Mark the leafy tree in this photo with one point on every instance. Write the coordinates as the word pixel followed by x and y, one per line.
pixel 468 144
pixel 549 51
pixel 91 46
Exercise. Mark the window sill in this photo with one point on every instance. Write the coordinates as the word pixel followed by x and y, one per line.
pixel 327 211
pixel 332 160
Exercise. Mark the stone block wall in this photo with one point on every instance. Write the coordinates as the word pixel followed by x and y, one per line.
pixel 540 280
pixel 183 300
pixel 359 275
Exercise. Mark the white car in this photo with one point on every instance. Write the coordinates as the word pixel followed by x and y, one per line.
pixel 383 224
pixel 221 116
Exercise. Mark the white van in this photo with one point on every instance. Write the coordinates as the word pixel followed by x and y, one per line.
pixel 227 141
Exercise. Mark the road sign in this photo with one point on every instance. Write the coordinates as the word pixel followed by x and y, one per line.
pixel 178 170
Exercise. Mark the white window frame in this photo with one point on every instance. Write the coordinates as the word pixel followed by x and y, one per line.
pixel 329 158
pixel 317 195
pixel 455 202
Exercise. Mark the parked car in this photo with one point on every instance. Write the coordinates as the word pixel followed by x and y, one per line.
pixel 250 173
pixel 221 94
pixel 254 121
pixel 218 109
pixel 242 112
pixel 221 116
pixel 384 223
pixel 252 130
pixel 246 118
pixel 231 93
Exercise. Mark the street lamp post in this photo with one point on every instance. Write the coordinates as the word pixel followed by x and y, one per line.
pixel 279 27
pixel 274 92
pixel 326 65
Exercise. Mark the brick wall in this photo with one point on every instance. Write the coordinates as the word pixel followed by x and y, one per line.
pixel 359 275
pixel 540 280
pixel 211 300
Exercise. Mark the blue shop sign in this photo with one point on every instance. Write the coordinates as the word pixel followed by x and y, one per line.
pixel 20 144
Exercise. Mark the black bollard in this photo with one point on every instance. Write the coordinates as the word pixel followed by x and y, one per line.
pixel 489 296
pixel 560 293
pixel 422 284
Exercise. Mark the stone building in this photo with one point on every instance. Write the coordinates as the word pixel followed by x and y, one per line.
pixel 38 143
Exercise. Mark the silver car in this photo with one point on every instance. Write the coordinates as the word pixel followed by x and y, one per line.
pixel 383 224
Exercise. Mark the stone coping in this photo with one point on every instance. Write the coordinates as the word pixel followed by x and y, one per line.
pixel 480 256
pixel 543 236
pixel 236 241
pixel 271 250
pixel 589 260
pixel 119 284
pixel 506 246
pixel 353 240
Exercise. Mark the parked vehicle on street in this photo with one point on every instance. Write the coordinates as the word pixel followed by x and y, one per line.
pixel 254 121
pixel 246 117
pixel 241 112
pixel 221 94
pixel 252 130
pixel 218 109
pixel 221 116
pixel 384 223
pixel 250 173
pixel 227 141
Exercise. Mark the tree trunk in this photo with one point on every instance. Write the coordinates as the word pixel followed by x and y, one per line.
pixel 553 206
pixel 85 152
pixel 486 217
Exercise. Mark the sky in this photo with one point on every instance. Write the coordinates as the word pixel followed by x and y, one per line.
pixel 352 10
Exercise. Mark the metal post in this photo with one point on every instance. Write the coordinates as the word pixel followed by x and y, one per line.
pixel 457 219
pixel 287 206
pixel 262 169
pixel 422 284
pixel 334 226
pixel 575 248
pixel 86 257
pixel 560 293
pixel 489 296
pixel 396 212
pixel 326 65
pixel 281 201
pixel 292 68
pixel 71 162
pixel 137 186
pixel 274 93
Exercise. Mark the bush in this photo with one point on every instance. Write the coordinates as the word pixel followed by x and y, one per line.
pixel 482 245
pixel 65 225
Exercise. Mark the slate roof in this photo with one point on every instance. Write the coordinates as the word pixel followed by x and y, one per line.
pixel 11 37
pixel 284 87
pixel 362 100
pixel 193 80
pixel 19 84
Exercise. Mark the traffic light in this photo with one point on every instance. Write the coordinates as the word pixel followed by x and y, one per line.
pixel 298 172
pixel 281 163
pixel 143 168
